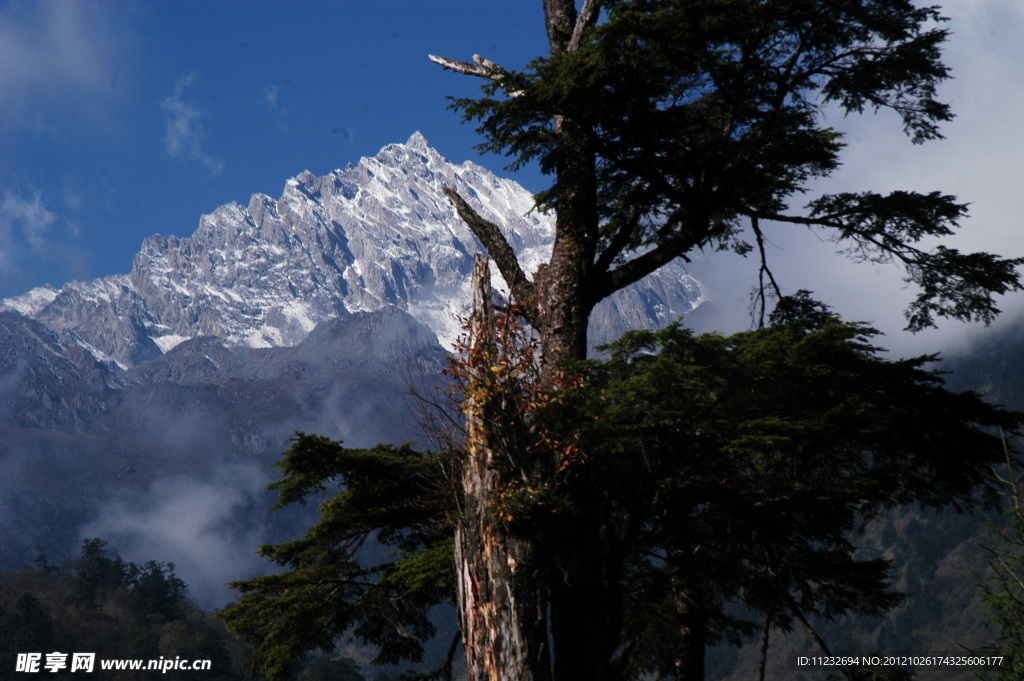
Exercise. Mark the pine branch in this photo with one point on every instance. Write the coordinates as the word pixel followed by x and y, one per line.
pixel 618 242
pixel 675 246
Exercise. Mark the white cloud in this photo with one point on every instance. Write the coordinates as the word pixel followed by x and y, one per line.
pixel 270 96
pixel 207 527
pixel 185 133
pixel 71 196
pixel 57 56
pixel 23 222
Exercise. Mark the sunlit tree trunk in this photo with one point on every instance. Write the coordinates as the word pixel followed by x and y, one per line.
pixel 501 596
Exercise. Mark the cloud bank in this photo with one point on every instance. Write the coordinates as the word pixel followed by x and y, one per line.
pixel 208 527
pixel 186 136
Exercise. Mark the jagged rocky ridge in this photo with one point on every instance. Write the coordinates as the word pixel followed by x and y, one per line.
pixel 311 312
pixel 371 236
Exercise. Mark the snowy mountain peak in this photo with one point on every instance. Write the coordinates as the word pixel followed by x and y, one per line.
pixel 374 235
pixel 418 142
pixel 30 303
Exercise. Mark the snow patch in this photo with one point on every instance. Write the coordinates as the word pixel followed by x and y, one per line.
pixel 31 303
pixel 169 341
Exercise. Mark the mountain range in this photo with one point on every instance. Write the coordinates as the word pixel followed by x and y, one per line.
pixel 314 312
pixel 376 235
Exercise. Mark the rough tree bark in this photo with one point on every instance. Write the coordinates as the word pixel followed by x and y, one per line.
pixel 501 596
pixel 558 305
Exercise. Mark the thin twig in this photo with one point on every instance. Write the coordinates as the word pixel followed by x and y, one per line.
pixel 763 270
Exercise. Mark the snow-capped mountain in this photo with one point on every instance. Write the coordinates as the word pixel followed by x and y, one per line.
pixel 374 235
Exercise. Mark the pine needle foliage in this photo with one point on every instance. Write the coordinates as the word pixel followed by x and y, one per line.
pixel 730 477
pixel 741 469
pixel 678 121
pixel 371 568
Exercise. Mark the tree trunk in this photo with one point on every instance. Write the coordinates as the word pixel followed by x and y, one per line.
pixel 564 302
pixel 582 635
pixel 500 585
pixel 504 588
pixel 693 633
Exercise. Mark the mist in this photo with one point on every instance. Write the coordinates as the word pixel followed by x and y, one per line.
pixel 208 527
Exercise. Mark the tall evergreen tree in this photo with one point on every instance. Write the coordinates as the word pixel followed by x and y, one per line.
pixel 669 126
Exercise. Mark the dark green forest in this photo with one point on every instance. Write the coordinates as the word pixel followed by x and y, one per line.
pixel 100 603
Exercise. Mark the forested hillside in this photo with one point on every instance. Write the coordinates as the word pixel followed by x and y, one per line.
pixel 120 610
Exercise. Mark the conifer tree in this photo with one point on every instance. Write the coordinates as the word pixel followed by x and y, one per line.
pixel 670 126
pixel 667 127
pixel 740 470
pixel 733 474
pixel 372 567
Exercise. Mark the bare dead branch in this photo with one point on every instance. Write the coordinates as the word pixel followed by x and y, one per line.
pixel 480 67
pixel 763 271
pixel 468 68
pixel 586 19
pixel 499 249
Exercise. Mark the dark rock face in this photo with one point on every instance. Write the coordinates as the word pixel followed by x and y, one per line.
pixel 75 432
pixel 45 384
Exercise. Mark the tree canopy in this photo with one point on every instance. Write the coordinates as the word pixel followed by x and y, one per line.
pixel 741 469
pixel 670 126
pixel 372 567
pixel 732 470
pixel 117 609
pixel 675 126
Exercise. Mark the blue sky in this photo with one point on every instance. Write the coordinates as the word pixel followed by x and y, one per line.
pixel 123 119
pixel 119 120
